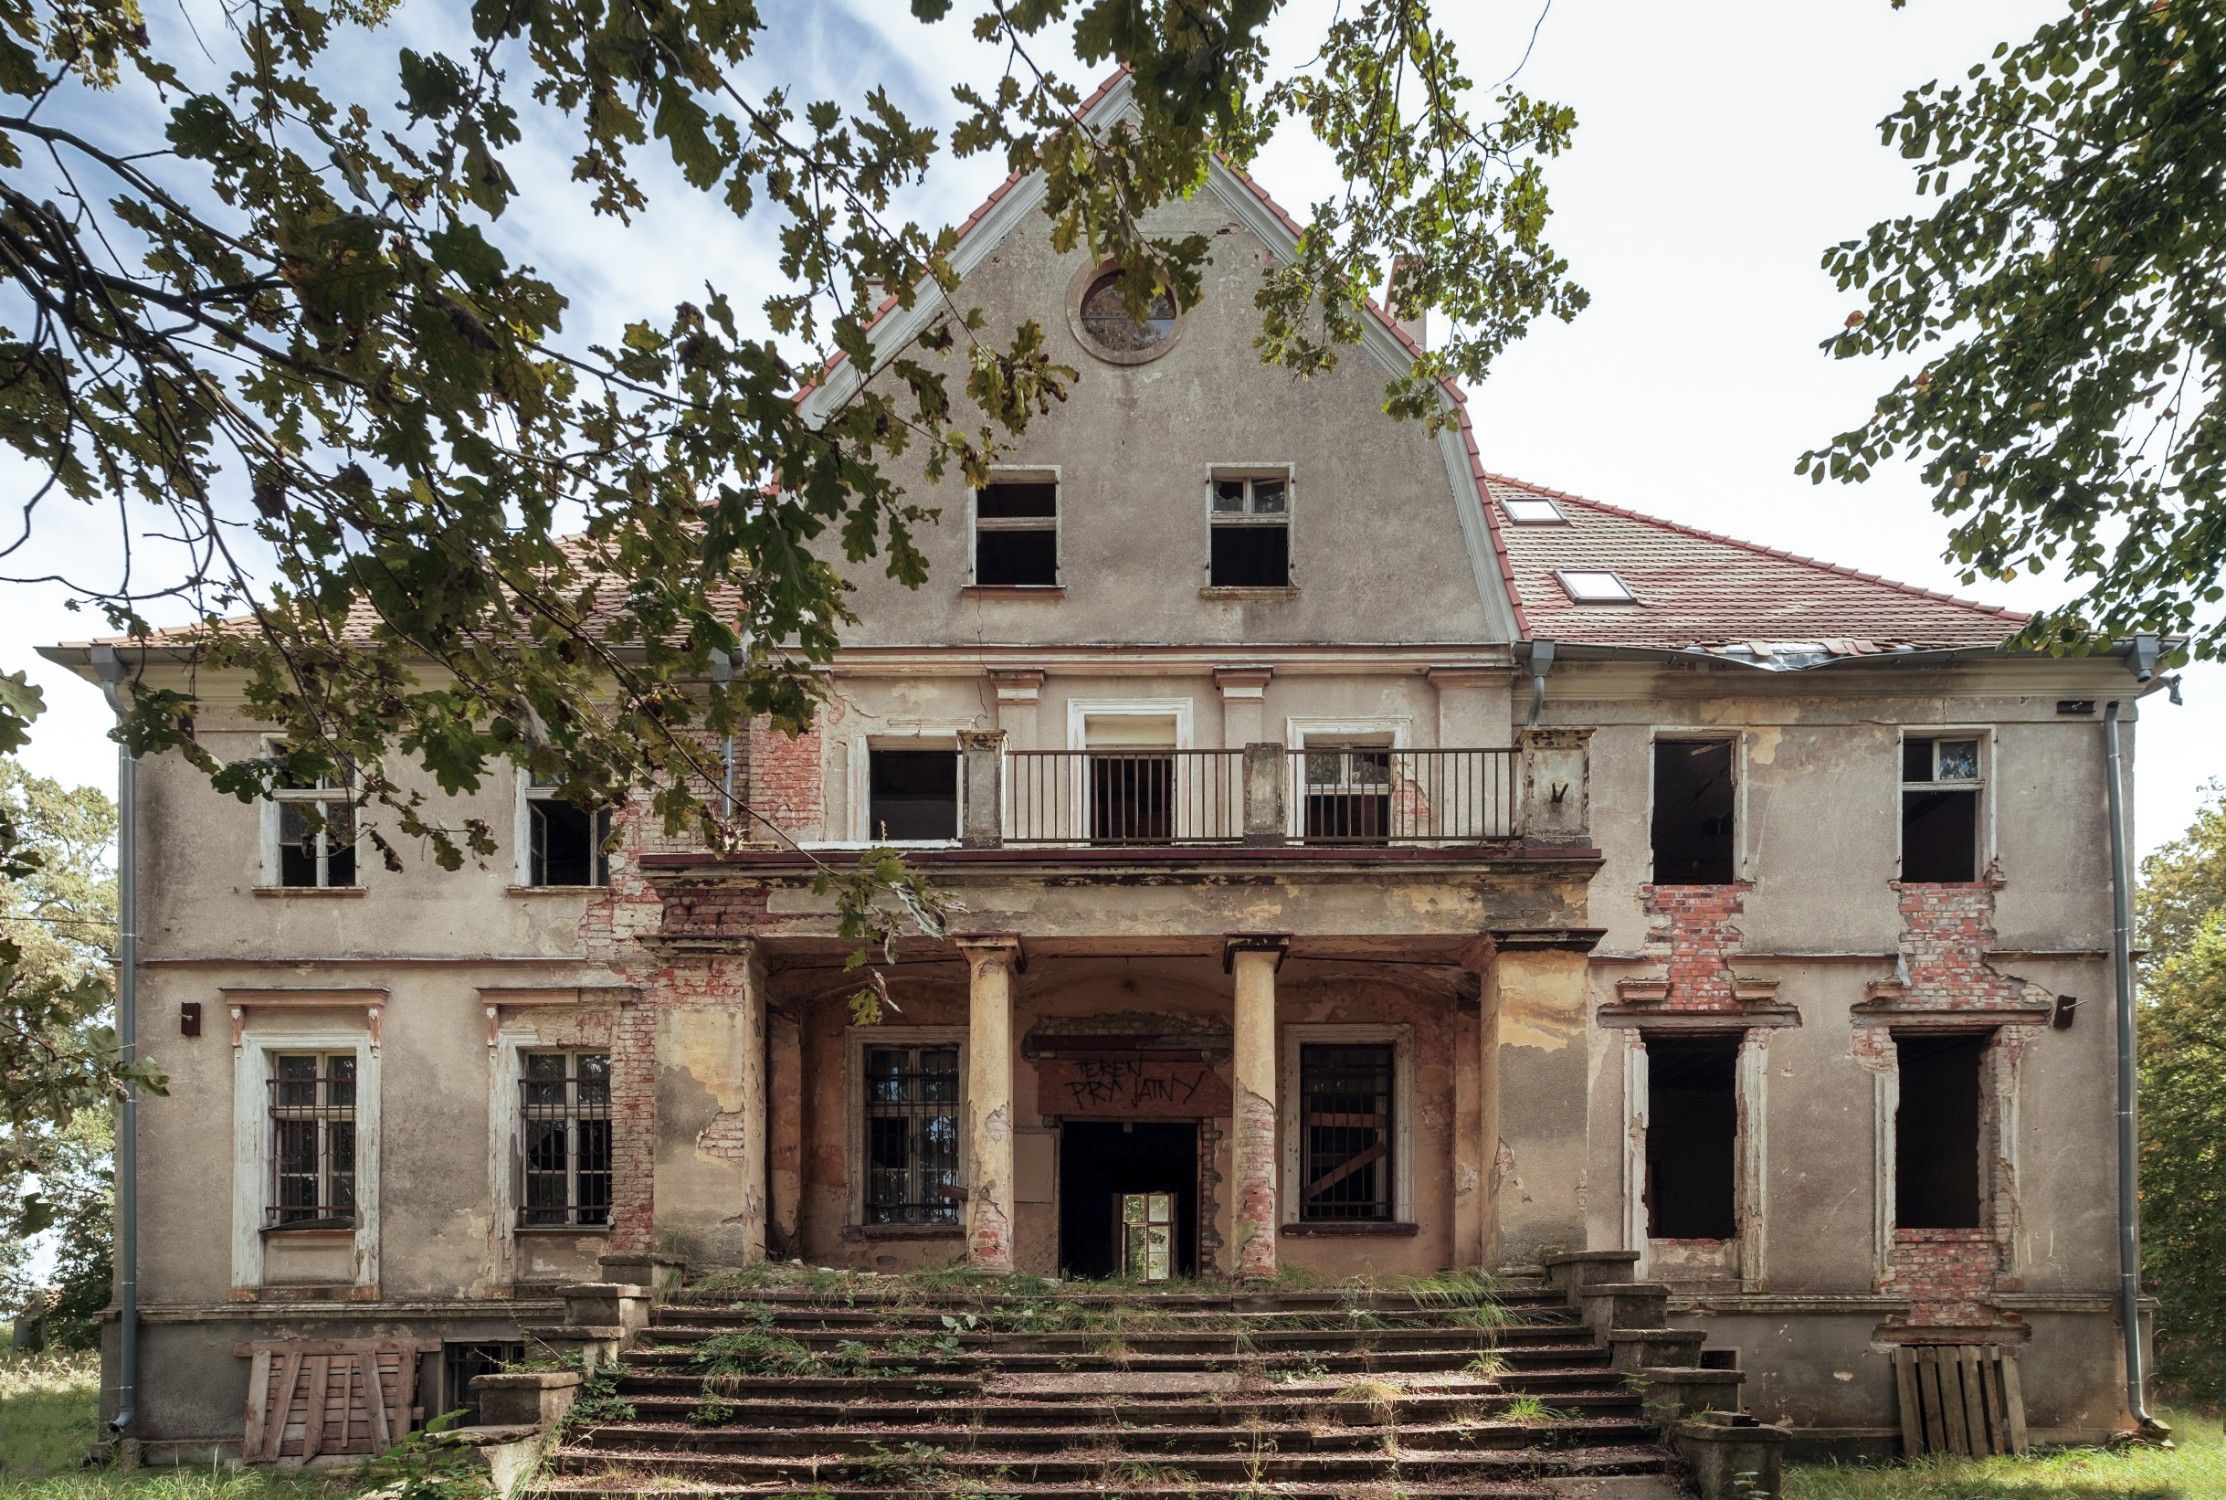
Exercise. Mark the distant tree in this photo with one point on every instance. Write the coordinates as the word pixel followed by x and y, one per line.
pixel 2183 1099
pixel 263 293
pixel 2057 312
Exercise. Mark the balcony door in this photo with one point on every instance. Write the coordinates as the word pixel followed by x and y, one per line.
pixel 1129 777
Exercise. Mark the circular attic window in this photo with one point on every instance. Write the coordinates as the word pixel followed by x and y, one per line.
pixel 1105 326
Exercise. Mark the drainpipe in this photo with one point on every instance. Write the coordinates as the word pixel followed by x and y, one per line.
pixel 1541 662
pixel 2121 959
pixel 722 672
pixel 111 670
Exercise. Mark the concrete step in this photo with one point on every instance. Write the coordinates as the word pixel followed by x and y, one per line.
pixel 1292 1362
pixel 864 1292
pixel 1231 1391
pixel 1230 1410
pixel 1260 1340
pixel 1038 1317
pixel 618 1483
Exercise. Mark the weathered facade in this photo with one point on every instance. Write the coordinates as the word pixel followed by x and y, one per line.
pixel 1393 866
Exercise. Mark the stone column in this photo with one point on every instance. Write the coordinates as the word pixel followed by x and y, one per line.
pixel 990 960
pixel 1254 960
pixel 709 1108
pixel 787 1103
pixel 1532 1097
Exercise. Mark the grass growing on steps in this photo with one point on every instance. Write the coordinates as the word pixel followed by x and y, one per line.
pixel 2193 1470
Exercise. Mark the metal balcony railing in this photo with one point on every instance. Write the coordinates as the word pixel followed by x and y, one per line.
pixel 1124 797
pixel 1378 795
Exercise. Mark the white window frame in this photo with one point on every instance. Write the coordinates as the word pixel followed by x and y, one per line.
pixel 253 1145
pixel 1742 865
pixel 857 1039
pixel 1555 516
pixel 1298 731
pixel 1250 473
pixel 911 737
pixel 976 525
pixel 1984 855
pixel 1080 711
pixel 522 836
pixel 272 816
pixel 1576 596
pixel 1299 1034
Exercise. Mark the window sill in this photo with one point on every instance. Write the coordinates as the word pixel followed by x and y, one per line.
pixel 319 1235
pixel 576 1231
pixel 309 892
pixel 1249 591
pixel 1013 590
pixel 554 890
pixel 1373 1227
pixel 903 1231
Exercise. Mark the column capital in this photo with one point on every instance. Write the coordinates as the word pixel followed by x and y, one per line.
pixel 1277 943
pixel 1017 684
pixel 1243 682
pixel 979 948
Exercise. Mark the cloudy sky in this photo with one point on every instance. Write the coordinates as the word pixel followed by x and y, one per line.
pixel 1720 148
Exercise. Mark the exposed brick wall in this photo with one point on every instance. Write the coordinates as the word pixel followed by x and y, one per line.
pixel 786 785
pixel 633 1127
pixel 715 911
pixel 1946 931
pixel 1695 936
pixel 1946 1273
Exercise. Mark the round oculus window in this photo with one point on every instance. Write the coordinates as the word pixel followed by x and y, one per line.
pixel 1109 327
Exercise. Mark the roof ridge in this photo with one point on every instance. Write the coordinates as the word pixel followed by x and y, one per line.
pixel 1841 569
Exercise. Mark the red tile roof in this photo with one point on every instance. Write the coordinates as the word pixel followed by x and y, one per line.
pixel 1696 588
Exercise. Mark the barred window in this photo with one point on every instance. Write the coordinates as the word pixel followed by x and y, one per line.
pixel 315 831
pixel 564 1152
pixel 313 1141
pixel 912 1135
pixel 1345 1131
pixel 1348 791
pixel 564 843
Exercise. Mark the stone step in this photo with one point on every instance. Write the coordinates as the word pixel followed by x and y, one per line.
pixel 1290 1362
pixel 618 1484
pixel 975 1294
pixel 902 1470
pixel 1110 1318
pixel 946 1341
pixel 1227 1410
pixel 865 1444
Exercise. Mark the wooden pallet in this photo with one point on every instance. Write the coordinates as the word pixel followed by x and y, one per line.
pixel 1964 1399
pixel 309 1398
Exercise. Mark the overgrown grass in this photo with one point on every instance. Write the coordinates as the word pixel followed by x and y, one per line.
pixel 2195 1469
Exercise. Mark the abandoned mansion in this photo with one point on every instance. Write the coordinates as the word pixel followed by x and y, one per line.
pixel 1364 864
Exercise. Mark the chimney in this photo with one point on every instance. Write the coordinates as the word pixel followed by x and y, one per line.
pixel 1417 327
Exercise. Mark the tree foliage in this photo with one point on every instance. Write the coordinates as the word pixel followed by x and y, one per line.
pixel 264 290
pixel 2058 308
pixel 2183 1099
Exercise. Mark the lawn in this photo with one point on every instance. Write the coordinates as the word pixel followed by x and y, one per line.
pixel 2193 1470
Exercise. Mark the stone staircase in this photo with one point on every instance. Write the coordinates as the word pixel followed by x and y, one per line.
pixel 892 1389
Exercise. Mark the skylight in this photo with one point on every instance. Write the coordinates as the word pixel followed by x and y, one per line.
pixel 1596 587
pixel 1532 510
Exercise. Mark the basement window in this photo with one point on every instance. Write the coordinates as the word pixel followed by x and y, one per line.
pixel 1251 542
pixel 1016 534
pixel 1942 782
pixel 1692 1137
pixel 1595 587
pixel 1694 812
pixel 564 843
pixel 1938 1151
pixel 911 795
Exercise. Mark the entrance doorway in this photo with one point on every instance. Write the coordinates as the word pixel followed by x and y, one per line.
pixel 1099 1160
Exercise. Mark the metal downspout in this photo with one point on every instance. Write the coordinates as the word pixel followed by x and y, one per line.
pixel 1541 662
pixel 2121 960
pixel 111 670
pixel 722 672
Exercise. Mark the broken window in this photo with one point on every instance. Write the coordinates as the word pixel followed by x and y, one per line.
pixel 911 1135
pixel 462 1360
pixel 313 824
pixel 1016 533
pixel 564 842
pixel 1111 329
pixel 1692 1137
pixel 1941 783
pixel 313 1140
pixel 1345 1131
pixel 1251 533
pixel 911 795
pixel 564 1149
pixel 1693 813
pixel 1348 791
pixel 1938 1141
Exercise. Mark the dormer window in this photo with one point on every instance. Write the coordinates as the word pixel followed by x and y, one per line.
pixel 1532 510
pixel 1595 587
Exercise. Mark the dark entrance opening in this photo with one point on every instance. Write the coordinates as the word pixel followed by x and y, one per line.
pixel 1101 1159
pixel 1692 1138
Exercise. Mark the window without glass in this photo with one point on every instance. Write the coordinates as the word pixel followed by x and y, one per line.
pixel 1251 533
pixel 1939 1177
pixel 1693 813
pixel 1132 796
pixel 1345 1131
pixel 315 832
pixel 912 1134
pixel 1941 783
pixel 564 1145
pixel 564 842
pixel 1692 1137
pixel 1348 791
pixel 462 1361
pixel 313 1141
pixel 1016 534
pixel 911 794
